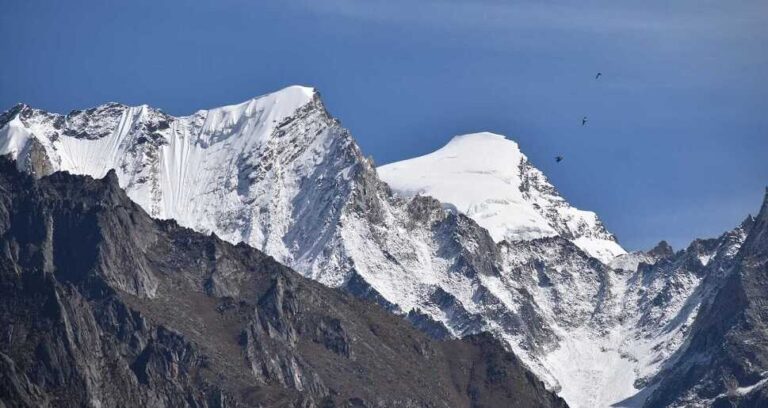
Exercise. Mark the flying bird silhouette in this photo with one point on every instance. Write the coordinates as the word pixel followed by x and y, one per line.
pixel 599 74
pixel 583 121
pixel 558 159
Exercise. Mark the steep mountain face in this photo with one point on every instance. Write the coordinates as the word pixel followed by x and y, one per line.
pixel 244 171
pixel 666 296
pixel 610 329
pixel 724 362
pixel 488 178
pixel 100 305
pixel 500 252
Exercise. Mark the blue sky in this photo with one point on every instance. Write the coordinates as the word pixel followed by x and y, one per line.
pixel 677 142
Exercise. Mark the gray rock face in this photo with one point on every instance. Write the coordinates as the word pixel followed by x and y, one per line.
pixel 725 360
pixel 102 306
pixel 661 250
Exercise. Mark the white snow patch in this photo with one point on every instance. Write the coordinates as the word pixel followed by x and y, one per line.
pixel 592 370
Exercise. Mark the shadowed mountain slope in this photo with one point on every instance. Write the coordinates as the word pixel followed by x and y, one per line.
pixel 102 306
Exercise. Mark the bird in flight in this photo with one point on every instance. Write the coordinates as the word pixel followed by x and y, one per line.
pixel 599 74
pixel 583 121
pixel 558 159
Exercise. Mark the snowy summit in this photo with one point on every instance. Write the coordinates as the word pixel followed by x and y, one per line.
pixel 487 177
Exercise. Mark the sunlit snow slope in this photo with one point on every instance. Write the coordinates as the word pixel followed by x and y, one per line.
pixel 488 178
pixel 206 170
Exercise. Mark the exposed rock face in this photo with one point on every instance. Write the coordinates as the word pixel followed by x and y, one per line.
pixel 102 306
pixel 661 250
pixel 724 362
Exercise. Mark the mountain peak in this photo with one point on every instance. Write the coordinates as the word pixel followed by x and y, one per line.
pixel 662 250
pixel 283 103
pixel 471 144
pixel 488 178
pixel 746 224
pixel 294 95
pixel 756 244
pixel 290 96
pixel 763 214
pixel 11 113
pixel 480 137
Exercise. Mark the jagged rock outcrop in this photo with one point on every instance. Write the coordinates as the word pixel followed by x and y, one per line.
pixel 103 306
pixel 661 250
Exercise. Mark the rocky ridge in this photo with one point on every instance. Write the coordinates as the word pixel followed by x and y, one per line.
pixel 103 306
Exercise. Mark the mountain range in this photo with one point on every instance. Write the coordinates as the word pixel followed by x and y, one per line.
pixel 104 306
pixel 467 240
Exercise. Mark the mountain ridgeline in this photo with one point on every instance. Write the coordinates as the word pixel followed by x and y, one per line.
pixel 467 240
pixel 102 305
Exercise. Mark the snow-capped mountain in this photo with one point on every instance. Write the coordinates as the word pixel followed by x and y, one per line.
pixel 218 170
pixel 466 245
pixel 279 173
pixel 488 178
